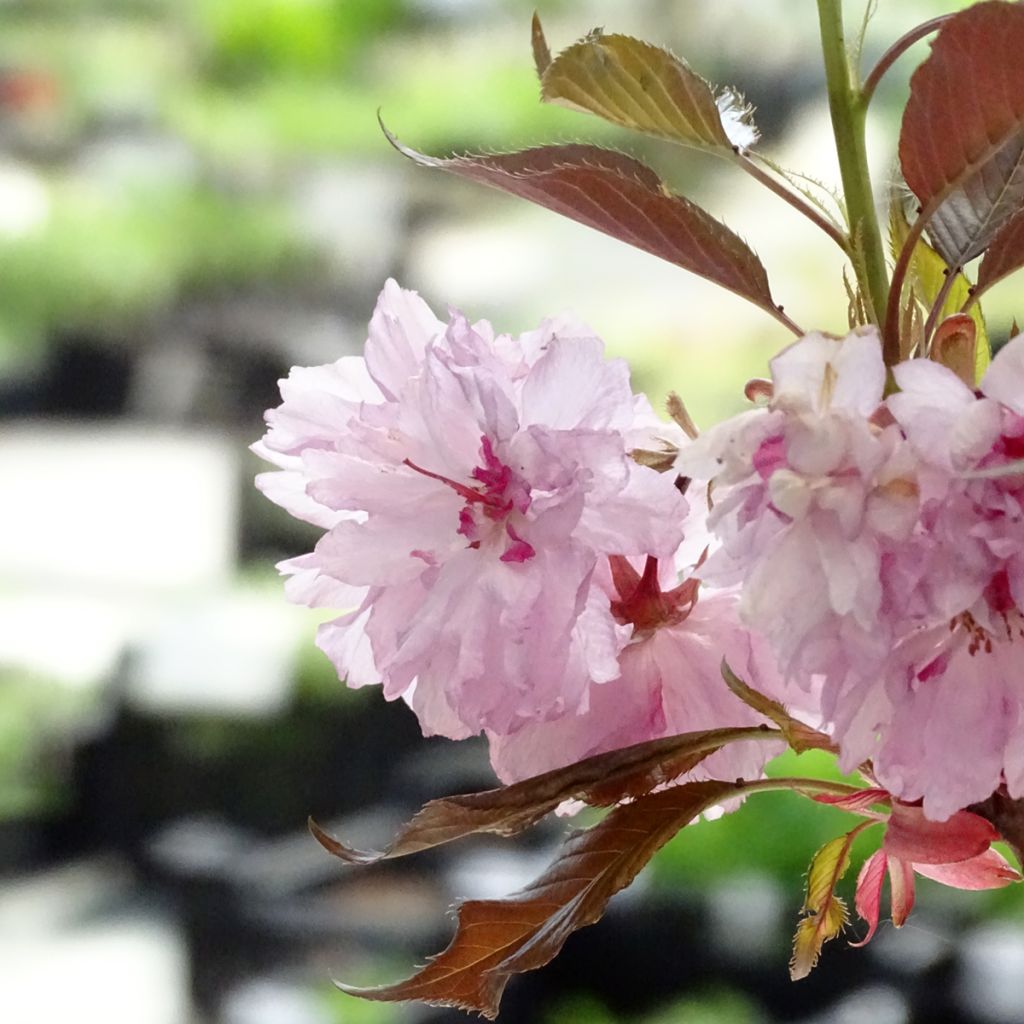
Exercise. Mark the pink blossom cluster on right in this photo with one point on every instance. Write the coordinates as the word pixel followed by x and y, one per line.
pixel 880 545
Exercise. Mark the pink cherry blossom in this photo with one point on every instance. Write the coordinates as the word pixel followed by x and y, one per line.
pixel 943 722
pixel 469 484
pixel 811 496
pixel 671 682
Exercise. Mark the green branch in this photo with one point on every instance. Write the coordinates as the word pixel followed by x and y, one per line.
pixel 849 109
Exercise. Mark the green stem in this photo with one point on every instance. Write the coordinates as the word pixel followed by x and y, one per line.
pixel 849 111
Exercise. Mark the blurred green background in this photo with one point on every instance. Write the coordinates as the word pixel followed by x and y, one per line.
pixel 194 196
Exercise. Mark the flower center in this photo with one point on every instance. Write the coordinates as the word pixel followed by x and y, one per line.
pixel 1000 600
pixel 642 603
pixel 498 493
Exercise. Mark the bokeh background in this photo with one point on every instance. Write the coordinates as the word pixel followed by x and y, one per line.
pixel 194 196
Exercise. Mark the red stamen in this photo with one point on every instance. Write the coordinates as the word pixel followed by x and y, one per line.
pixel 461 489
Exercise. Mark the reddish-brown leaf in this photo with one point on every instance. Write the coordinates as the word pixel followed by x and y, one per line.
pixel 600 780
pixel 621 197
pixel 1005 254
pixel 960 142
pixel 496 939
pixel 969 218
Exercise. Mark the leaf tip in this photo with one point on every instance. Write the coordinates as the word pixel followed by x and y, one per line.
pixel 541 50
pixel 407 151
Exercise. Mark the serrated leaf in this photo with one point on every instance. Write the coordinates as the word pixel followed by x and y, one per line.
pixel 963 127
pixel 825 913
pixel 966 222
pixel 621 197
pixel 496 939
pixel 600 780
pixel 799 736
pixel 636 85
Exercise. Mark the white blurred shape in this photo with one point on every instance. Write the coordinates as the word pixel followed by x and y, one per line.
pixel 24 200
pixel 875 1004
pixel 354 211
pixel 110 970
pixel 266 1001
pixel 746 914
pixel 991 978
pixel 227 653
pixel 121 161
pixel 909 950
pixel 92 635
pixel 95 505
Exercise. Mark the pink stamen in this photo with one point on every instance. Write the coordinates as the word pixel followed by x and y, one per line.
pixel 501 493
pixel 519 550
pixel 770 456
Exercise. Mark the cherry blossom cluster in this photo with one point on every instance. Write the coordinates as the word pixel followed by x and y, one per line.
pixel 879 544
pixel 504 564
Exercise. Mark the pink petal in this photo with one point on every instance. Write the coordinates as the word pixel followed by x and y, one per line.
pixel 901 889
pixel 818 372
pixel 1004 379
pixel 401 328
pixel 989 870
pixel 912 837
pixel 868 899
pixel 598 398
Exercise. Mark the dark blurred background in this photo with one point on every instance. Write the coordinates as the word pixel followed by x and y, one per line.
pixel 194 196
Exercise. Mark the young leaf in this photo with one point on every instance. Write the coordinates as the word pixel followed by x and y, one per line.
pixel 960 141
pixel 868 900
pixel 600 780
pixel 955 345
pixel 623 198
pixel 799 736
pixel 496 939
pixel 825 912
pixel 636 85
pixel 927 277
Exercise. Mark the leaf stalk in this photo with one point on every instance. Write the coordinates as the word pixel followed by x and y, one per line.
pixel 896 51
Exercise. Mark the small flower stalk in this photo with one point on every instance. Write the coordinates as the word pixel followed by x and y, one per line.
pixel 638 614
